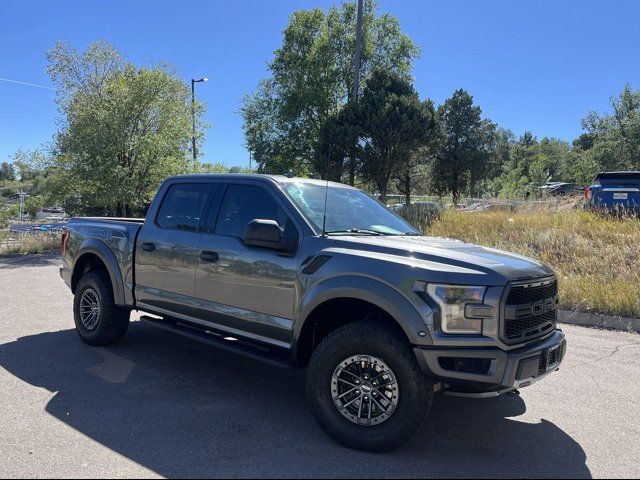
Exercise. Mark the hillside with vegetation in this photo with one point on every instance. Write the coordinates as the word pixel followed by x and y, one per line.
pixel 596 258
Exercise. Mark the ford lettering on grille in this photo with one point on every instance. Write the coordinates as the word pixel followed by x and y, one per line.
pixel 530 311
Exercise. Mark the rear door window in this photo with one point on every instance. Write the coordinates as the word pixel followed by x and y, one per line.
pixel 182 206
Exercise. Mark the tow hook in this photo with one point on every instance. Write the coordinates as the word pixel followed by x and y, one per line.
pixel 513 393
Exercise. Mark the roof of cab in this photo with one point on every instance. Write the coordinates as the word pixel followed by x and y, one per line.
pixel 278 179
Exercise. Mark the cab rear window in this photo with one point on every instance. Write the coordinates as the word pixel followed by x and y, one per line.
pixel 182 206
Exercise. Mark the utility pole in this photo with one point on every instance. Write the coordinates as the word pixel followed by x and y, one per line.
pixel 356 85
pixel 356 74
pixel 193 114
pixel 21 196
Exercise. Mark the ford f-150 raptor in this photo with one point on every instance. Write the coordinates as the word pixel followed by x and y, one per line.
pixel 305 273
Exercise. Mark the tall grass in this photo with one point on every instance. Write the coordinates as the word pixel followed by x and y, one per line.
pixel 33 243
pixel 597 259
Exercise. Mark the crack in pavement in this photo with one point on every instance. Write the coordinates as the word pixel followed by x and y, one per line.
pixel 615 351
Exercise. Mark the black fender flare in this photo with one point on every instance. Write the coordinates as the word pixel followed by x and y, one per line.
pixel 371 290
pixel 103 252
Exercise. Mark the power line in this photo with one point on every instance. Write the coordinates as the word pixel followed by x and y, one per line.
pixel 26 83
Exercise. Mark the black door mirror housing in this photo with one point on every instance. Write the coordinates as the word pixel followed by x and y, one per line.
pixel 264 233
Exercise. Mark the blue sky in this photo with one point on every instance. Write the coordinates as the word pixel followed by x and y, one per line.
pixel 538 66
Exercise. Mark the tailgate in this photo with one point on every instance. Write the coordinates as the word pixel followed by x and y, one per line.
pixel 623 197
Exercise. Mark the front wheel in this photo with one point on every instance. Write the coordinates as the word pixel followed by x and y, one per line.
pixel 366 388
pixel 99 321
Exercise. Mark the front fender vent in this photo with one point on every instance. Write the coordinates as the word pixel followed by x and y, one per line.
pixel 314 265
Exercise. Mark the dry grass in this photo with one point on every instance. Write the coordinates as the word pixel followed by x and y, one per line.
pixel 35 243
pixel 597 259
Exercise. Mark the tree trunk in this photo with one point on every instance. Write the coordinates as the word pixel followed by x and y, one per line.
pixel 407 190
pixel 383 192
pixel 352 168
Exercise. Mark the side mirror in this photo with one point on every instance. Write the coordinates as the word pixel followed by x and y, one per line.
pixel 265 234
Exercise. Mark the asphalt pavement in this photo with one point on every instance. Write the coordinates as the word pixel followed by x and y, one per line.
pixel 158 405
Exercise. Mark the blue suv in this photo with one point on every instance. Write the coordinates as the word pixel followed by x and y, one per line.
pixel 614 192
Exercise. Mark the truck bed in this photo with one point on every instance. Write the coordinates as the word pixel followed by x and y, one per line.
pixel 118 235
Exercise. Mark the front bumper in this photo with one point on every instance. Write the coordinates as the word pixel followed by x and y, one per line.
pixel 491 371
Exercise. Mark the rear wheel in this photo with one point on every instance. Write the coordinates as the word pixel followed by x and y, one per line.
pixel 366 388
pixel 99 321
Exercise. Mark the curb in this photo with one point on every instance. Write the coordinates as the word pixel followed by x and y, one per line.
pixel 46 253
pixel 600 321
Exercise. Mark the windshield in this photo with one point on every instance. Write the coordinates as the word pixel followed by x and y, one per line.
pixel 349 211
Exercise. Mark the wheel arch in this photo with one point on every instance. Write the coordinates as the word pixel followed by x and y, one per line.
pixel 349 298
pixel 94 254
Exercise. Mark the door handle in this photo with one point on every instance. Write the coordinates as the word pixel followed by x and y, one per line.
pixel 148 247
pixel 209 257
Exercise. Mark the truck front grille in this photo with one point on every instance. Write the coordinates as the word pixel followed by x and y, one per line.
pixel 530 311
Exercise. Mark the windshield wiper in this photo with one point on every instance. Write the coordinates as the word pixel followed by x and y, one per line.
pixel 367 231
pixel 356 231
pixel 359 231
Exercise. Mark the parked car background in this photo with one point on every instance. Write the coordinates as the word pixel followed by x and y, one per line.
pixel 614 192
pixel 561 189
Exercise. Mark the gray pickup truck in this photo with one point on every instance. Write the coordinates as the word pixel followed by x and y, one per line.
pixel 302 273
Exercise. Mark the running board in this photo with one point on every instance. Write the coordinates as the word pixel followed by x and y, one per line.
pixel 275 357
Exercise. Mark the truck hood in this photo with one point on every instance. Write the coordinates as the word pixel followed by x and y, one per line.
pixel 454 260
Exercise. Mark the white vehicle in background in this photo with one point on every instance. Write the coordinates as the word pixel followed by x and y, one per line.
pixel 52 214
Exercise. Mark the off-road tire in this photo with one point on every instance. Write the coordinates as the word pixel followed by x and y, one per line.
pixel 374 338
pixel 112 321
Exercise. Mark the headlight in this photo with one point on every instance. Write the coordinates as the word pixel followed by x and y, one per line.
pixel 452 300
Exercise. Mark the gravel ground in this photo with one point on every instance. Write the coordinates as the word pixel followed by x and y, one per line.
pixel 160 405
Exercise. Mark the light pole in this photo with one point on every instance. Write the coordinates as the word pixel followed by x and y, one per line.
pixel 357 61
pixel 193 112
pixel 356 84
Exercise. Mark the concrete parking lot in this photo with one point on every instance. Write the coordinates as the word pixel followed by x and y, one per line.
pixel 159 405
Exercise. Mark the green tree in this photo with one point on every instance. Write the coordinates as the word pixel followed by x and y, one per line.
pixel 239 169
pixel 612 140
pixel 212 168
pixel 28 164
pixel 393 125
pixel 463 156
pixel 336 141
pixel 312 79
pixel 500 150
pixel 4 216
pixel 124 129
pixel 414 170
pixel 412 173
pixel 531 163
pixel 33 204
pixel 6 172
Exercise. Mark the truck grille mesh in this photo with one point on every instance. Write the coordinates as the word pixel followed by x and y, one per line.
pixel 530 327
pixel 521 322
pixel 521 295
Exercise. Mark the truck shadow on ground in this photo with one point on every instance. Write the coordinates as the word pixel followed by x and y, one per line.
pixel 183 409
